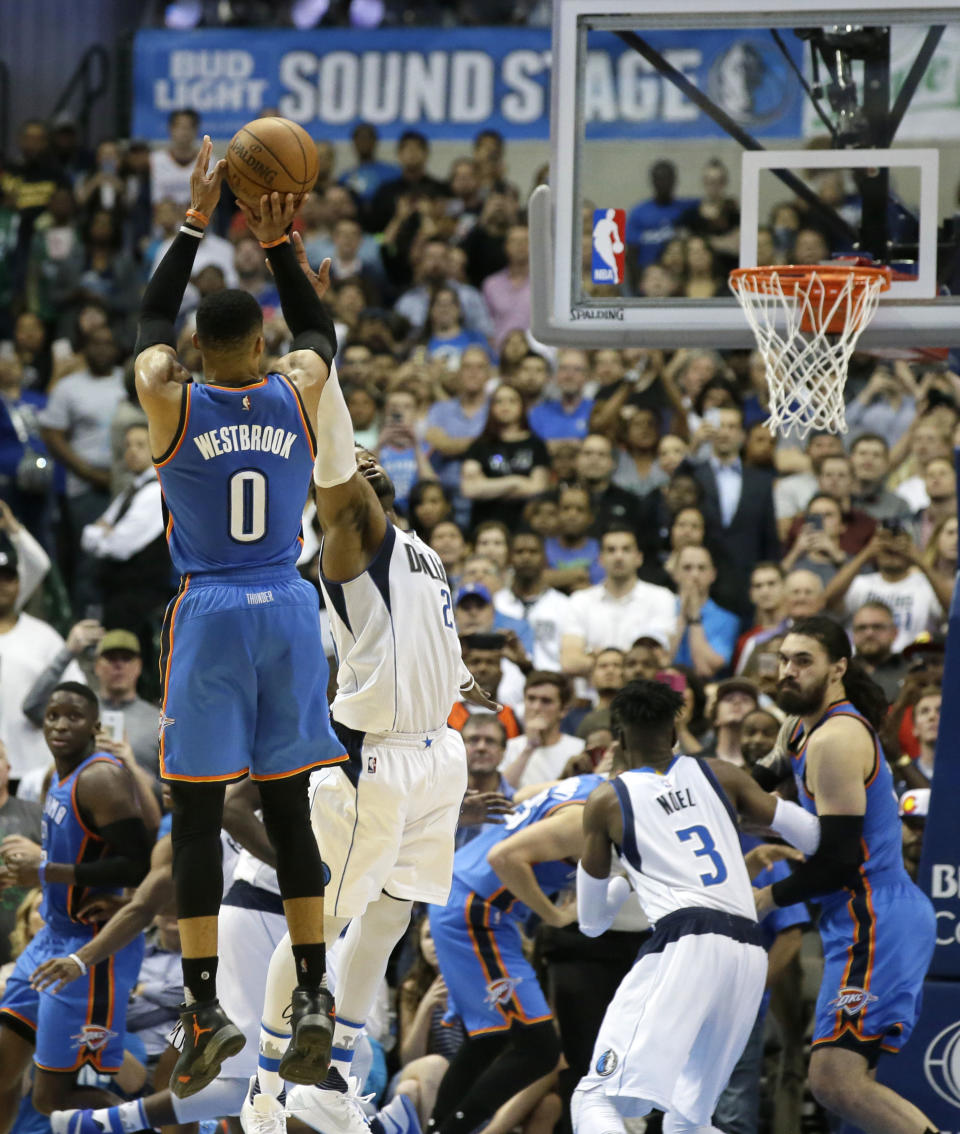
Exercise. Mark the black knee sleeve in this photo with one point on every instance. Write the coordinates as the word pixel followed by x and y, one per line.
pixel 286 816
pixel 197 857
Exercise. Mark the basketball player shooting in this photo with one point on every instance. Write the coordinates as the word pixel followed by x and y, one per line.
pixel 878 928
pixel 242 663
pixel 387 819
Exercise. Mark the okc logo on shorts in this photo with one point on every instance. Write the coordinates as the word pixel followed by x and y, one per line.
pixel 501 991
pixel 852 1001
pixel 609 226
pixel 941 1063
pixel 607 1063
pixel 93 1037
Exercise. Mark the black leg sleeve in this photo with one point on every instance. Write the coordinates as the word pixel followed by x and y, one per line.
pixel 286 816
pixel 197 858
pixel 473 1055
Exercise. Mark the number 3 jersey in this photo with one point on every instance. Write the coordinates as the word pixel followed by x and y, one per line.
pixel 236 476
pixel 398 652
pixel 680 842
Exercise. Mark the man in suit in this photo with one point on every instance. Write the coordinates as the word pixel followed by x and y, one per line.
pixel 738 506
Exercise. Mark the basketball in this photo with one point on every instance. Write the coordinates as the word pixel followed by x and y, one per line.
pixel 271 155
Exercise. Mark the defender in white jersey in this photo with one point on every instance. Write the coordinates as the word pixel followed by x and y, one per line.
pixel 678 1023
pixel 386 823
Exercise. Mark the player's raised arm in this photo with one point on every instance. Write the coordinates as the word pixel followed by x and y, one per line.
pixel 789 820
pixel 598 897
pixel 159 376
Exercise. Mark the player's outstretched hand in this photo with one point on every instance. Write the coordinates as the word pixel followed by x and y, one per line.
pixel 760 858
pixel 54 974
pixel 474 695
pixel 483 807
pixel 204 186
pixel 274 217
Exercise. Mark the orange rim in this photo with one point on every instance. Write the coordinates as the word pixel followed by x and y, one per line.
pixel 797 279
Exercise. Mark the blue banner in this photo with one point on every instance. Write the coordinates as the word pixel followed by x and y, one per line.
pixel 451 83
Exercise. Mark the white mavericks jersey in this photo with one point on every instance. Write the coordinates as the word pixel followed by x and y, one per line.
pixel 398 654
pixel 680 842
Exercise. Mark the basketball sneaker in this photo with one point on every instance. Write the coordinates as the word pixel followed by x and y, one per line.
pixel 307 1057
pixel 329 1109
pixel 399 1116
pixel 262 1113
pixel 209 1037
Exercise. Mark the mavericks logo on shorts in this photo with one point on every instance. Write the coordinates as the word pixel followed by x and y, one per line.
pixel 852 1001
pixel 607 1063
pixel 93 1037
pixel 501 991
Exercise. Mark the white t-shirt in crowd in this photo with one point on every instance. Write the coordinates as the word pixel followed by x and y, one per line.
pixel 911 599
pixel 170 179
pixel 25 652
pixel 547 762
pixel 545 616
pixel 602 620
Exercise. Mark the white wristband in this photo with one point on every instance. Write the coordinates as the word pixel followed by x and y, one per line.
pixel 80 965
pixel 187 230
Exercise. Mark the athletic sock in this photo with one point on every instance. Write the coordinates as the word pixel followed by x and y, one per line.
pixel 346 1036
pixel 311 963
pixel 272 1046
pixel 122 1119
pixel 199 979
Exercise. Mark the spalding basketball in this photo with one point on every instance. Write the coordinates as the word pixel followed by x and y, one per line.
pixel 271 155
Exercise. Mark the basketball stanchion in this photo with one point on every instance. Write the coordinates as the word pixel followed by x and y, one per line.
pixel 807 320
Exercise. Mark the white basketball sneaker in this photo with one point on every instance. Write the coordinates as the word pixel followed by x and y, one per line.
pixel 330 1111
pixel 261 1113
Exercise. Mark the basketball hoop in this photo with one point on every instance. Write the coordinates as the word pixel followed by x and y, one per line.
pixel 807 319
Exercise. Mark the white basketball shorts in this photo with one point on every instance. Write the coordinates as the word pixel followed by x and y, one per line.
pixel 678 1023
pixel 387 820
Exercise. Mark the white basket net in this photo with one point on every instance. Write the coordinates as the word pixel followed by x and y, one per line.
pixel 806 365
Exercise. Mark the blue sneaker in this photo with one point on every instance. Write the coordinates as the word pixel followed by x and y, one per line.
pixel 399 1116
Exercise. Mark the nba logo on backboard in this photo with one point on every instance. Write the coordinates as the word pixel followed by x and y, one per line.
pixel 609 226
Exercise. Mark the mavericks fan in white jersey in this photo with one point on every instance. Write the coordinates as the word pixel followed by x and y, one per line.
pixel 678 1023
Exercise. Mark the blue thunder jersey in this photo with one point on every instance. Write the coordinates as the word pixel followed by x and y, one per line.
pixel 470 866
pixel 883 855
pixel 236 477
pixel 66 838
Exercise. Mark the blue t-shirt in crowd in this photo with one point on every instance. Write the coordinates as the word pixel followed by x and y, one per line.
pixel 587 556
pixel 721 627
pixel 449 416
pixel 401 466
pixel 553 423
pixel 365 179
pixel 449 348
pixel 651 226
pixel 520 626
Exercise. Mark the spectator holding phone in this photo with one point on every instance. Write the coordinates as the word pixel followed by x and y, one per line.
pixel 916 593
pixel 817 547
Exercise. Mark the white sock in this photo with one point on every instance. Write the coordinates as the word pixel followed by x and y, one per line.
pixel 346 1035
pixel 272 1046
pixel 121 1119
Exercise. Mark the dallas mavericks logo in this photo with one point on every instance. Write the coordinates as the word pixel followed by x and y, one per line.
pixel 93 1037
pixel 607 1063
pixel 501 991
pixel 852 1001
pixel 941 1063
pixel 750 82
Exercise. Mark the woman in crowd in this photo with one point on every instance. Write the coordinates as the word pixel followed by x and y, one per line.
pixel 444 332
pixel 941 550
pixel 429 505
pixel 506 465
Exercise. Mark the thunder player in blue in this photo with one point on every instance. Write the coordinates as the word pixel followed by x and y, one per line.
pixel 877 927
pixel 243 670
pixel 94 842
pixel 499 879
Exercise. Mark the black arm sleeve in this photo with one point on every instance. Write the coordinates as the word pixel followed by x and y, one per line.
pixel 164 294
pixel 128 859
pixel 835 865
pixel 308 319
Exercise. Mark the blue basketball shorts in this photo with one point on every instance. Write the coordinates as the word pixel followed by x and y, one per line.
pixel 490 983
pixel 85 1021
pixel 244 679
pixel 877 947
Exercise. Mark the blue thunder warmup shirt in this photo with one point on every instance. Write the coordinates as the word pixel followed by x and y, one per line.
pixel 85 1021
pixel 242 663
pixel 878 938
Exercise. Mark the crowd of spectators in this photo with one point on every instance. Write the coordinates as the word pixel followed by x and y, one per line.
pixel 601 515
